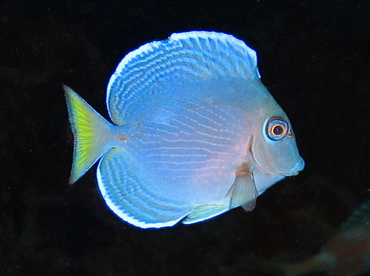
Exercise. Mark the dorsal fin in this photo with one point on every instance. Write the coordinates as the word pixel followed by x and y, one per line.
pixel 182 57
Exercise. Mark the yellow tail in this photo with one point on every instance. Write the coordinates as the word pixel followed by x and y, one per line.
pixel 91 134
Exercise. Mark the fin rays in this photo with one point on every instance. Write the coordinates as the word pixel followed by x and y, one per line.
pixel 127 197
pixel 243 192
pixel 182 57
pixel 90 134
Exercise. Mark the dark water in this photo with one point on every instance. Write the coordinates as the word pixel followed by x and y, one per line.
pixel 313 56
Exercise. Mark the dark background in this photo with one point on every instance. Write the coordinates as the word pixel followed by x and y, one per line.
pixel 314 58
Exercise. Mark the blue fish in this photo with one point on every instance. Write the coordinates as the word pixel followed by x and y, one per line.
pixel 195 133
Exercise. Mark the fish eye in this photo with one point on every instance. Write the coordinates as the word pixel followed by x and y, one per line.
pixel 277 128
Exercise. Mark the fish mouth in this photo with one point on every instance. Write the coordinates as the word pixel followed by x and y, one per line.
pixel 299 166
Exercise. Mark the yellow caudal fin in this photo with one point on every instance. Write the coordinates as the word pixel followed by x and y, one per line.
pixel 91 133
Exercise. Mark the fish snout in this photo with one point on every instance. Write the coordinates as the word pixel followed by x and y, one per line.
pixel 299 166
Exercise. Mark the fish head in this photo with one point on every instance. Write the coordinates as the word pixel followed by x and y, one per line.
pixel 274 148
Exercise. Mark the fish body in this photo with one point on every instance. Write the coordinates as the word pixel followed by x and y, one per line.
pixel 194 132
pixel 346 254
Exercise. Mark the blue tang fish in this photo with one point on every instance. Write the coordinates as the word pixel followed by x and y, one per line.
pixel 195 133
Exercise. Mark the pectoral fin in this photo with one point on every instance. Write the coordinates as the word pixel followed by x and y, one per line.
pixel 243 192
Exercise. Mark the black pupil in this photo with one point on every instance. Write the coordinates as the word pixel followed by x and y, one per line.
pixel 278 130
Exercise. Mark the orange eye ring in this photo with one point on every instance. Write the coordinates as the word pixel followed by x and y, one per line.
pixel 277 128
